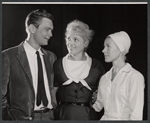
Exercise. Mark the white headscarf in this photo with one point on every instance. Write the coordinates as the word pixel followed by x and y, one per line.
pixel 122 40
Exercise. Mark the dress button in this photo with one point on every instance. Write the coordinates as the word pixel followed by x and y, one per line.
pixel 76 99
pixel 30 118
pixel 75 91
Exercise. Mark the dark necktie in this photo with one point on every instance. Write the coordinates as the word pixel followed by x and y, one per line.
pixel 41 94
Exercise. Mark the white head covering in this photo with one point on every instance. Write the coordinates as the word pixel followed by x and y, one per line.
pixel 122 40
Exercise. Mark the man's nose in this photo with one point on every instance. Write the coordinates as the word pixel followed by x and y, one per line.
pixel 50 33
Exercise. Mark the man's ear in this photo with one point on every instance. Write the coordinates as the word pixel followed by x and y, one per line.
pixel 31 28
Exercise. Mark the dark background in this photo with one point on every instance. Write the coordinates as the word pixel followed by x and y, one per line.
pixel 104 19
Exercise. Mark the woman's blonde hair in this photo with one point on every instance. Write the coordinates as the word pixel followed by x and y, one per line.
pixel 81 28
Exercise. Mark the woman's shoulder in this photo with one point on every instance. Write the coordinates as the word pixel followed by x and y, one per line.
pixel 59 60
pixel 58 63
pixel 97 64
pixel 96 61
pixel 132 70
pixel 135 75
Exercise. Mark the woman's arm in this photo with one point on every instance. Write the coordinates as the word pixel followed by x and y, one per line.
pixel 136 97
pixel 98 105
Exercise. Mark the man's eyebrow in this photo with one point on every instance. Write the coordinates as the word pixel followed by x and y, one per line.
pixel 49 28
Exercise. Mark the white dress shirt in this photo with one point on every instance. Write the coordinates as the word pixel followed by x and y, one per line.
pixel 32 58
pixel 122 98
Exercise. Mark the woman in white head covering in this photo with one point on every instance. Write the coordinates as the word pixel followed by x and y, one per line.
pixel 121 89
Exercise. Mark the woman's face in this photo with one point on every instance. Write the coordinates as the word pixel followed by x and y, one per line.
pixel 111 50
pixel 75 43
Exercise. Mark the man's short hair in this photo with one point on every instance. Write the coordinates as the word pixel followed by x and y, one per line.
pixel 36 16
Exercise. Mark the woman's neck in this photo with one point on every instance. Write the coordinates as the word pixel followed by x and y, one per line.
pixel 78 57
pixel 117 65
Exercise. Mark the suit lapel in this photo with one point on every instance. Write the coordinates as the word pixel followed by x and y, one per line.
pixel 22 57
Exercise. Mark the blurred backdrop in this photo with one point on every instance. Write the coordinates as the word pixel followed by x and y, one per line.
pixel 104 19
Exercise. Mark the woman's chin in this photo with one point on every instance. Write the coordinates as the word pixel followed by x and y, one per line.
pixel 107 60
pixel 71 53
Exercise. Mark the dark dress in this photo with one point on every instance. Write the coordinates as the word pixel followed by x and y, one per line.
pixel 74 99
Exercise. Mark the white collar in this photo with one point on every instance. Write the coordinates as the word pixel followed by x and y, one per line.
pixel 30 49
pixel 82 76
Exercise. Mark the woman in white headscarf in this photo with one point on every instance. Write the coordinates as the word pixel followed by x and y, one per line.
pixel 121 89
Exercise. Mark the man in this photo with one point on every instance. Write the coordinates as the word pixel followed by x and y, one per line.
pixel 22 78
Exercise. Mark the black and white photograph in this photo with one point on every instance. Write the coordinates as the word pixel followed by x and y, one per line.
pixel 75 61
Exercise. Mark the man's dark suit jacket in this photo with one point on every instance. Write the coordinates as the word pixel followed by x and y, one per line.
pixel 18 96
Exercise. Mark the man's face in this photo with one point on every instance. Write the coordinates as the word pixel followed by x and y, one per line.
pixel 43 33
